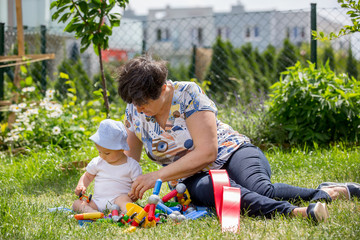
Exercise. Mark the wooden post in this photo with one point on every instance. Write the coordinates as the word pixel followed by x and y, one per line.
pixel 20 29
pixel 20 59
pixel 20 38
pixel 21 53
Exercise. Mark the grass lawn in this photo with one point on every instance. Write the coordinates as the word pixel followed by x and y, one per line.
pixel 34 182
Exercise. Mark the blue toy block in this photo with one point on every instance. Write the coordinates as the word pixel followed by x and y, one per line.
pixel 196 214
pixel 201 208
pixel 176 208
pixel 60 209
pixel 164 208
pixel 157 187
pixel 84 223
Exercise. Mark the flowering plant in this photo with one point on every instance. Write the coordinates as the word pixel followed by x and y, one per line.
pixel 47 122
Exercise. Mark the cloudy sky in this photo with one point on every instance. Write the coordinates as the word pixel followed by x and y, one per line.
pixel 142 6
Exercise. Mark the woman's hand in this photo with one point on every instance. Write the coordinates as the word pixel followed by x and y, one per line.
pixel 142 184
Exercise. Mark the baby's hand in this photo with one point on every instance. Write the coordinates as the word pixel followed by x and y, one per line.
pixel 80 189
pixel 132 197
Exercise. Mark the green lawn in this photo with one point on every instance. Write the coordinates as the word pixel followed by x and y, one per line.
pixel 33 182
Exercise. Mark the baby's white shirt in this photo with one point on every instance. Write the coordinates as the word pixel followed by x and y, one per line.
pixel 112 180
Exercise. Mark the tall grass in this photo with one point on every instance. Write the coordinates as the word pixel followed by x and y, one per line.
pixel 33 182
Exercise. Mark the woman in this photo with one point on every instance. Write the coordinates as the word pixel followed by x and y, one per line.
pixel 177 124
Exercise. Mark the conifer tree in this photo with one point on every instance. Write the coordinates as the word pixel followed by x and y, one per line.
pixel 219 67
pixel 329 56
pixel 250 56
pixel 287 57
pixel 78 75
pixel 269 56
pixel 351 64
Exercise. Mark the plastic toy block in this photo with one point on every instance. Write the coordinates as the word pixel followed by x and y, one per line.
pixel 152 201
pixel 176 208
pixel 196 214
pixel 60 209
pixel 83 223
pixel 157 187
pixel 201 208
pixel 169 196
pixel 171 204
pixel 115 209
pixel 87 198
pixel 104 220
pixel 130 229
pixel 164 208
pixel 132 208
pixel 84 216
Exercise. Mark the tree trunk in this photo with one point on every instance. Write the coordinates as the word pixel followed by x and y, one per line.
pixel 106 100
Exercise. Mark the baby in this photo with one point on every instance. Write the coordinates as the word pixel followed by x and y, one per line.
pixel 113 171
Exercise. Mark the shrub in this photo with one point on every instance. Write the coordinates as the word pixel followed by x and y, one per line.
pixel 315 105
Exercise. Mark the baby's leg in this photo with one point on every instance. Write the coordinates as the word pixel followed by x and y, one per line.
pixel 84 207
pixel 121 201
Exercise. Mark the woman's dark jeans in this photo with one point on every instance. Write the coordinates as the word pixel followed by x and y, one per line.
pixel 249 170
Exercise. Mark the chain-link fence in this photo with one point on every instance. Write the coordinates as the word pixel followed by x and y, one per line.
pixel 236 51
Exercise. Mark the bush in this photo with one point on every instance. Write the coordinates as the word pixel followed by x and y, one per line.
pixel 315 105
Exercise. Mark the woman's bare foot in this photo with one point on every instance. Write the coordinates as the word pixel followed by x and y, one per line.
pixel 316 212
pixel 337 192
pixel 299 212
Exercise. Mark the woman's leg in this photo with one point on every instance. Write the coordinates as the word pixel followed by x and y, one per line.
pixel 202 193
pixel 249 168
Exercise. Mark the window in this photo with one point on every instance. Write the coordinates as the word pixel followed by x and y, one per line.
pixel 197 36
pixel 158 35
pixel 252 32
pixel 167 34
pixel 287 34
pixel 256 31
pixel 248 32
pixel 298 32
pixel 302 32
pixel 200 36
pixel 223 32
pixel 295 32
pixel 162 34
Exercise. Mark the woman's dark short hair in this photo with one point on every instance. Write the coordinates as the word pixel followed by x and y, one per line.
pixel 141 79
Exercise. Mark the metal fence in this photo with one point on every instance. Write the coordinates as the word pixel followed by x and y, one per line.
pixel 197 41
